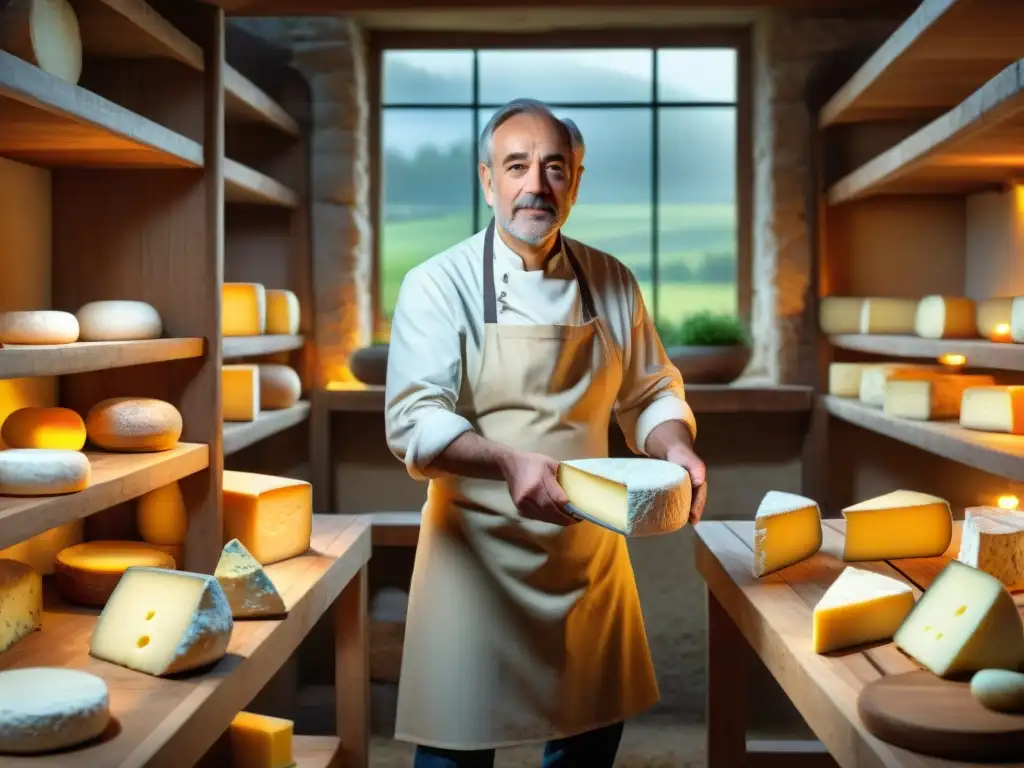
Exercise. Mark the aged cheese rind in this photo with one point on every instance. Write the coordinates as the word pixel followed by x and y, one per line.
pixel 897 525
pixel 21 602
pixel 53 428
pixel 964 622
pixel 282 312
pixel 243 309
pixel 249 590
pixel 87 573
pixel 1001 690
pixel 240 395
pixel 945 317
pixel 134 424
pixel 119 321
pixel 39 472
pixel 787 530
pixel 992 540
pixel 49 708
pixel 163 622
pixel 860 607
pixel 935 397
pixel 42 327
pixel 887 315
pixel 161 516
pixel 840 314
pixel 260 741
pixel 993 409
pixel 873 380
pixel 280 386
pixel 993 313
pixel 271 516
pixel 635 496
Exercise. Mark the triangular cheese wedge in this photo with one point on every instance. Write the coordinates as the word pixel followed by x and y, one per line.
pixel 787 529
pixel 250 592
pixel 897 525
pixel 860 607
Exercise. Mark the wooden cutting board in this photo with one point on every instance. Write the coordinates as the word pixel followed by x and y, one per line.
pixel 924 713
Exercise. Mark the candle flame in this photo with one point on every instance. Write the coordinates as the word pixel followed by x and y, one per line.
pixel 1001 332
pixel 1009 501
pixel 952 359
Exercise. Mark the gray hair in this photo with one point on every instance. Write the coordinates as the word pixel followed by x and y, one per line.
pixel 529 106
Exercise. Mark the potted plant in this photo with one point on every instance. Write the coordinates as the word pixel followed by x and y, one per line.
pixel 707 347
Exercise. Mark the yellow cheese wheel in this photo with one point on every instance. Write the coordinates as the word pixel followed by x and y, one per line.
pixel 37 472
pixel 51 428
pixel 138 424
pixel 87 573
pixel 38 327
pixel 119 321
pixel 161 516
pixel 280 386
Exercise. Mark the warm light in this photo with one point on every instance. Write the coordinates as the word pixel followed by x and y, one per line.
pixel 1007 502
pixel 952 359
pixel 1001 332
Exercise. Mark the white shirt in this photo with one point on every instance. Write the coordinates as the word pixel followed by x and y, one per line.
pixel 437 331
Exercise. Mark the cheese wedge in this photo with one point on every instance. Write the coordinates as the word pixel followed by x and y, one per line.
pixel 248 588
pixel 634 496
pixel 897 525
pixel 243 309
pixel 87 573
pixel 240 392
pixel 873 380
pixel 840 314
pixel 271 516
pixel 260 741
pixel 993 409
pixel 787 529
pixel 21 602
pixel 887 315
pixel 860 607
pixel 945 317
pixel 58 429
pixel 965 621
pixel 937 397
pixel 993 315
pixel 992 540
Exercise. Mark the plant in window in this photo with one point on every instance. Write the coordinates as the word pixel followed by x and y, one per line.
pixel 707 347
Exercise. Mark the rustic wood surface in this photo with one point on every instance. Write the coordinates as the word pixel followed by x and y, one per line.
pixel 242 434
pixel 980 353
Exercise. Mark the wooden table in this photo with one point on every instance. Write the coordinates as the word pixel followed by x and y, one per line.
pixel 772 615
pixel 172 723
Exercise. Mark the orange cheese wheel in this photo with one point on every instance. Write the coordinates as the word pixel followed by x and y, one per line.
pixel 87 573
pixel 59 429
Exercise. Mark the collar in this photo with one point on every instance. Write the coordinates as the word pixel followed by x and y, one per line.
pixel 557 264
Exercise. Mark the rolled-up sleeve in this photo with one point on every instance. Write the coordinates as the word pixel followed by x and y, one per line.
pixel 424 375
pixel 652 387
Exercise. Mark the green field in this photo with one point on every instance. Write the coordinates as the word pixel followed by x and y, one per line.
pixel 689 235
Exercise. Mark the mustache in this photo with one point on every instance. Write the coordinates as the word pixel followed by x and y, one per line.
pixel 528 200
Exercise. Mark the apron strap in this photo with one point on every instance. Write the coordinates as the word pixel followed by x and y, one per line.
pixel 490 300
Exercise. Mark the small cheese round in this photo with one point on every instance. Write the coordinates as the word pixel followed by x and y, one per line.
pixel 161 516
pixel 39 472
pixel 87 573
pixel 49 708
pixel 1001 690
pixel 42 326
pixel 51 428
pixel 280 387
pixel 119 321
pixel 134 424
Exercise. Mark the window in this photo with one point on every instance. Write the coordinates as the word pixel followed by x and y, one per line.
pixel 660 187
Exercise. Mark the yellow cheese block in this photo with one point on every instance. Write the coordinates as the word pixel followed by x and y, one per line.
pixel 787 529
pixel 163 622
pixel 886 315
pixel 993 409
pixel 260 741
pixel 945 317
pixel 282 312
pixel 993 316
pixel 271 516
pixel 133 424
pixel 40 551
pixel 897 525
pixel 240 392
pixel 844 378
pixel 280 386
pixel 860 607
pixel 243 309
pixel 49 428
pixel 161 515
pixel 840 314
pixel 992 540
pixel 936 397
pixel 87 573
pixel 44 327
pixel 964 622
pixel 873 380
pixel 21 602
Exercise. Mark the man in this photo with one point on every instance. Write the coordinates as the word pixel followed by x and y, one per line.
pixel 509 353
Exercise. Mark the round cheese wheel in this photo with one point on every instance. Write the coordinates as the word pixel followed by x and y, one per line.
pixel 48 708
pixel 161 516
pixel 280 387
pixel 139 424
pixel 42 326
pixel 46 33
pixel 119 321
pixel 87 573
pixel 50 428
pixel 39 472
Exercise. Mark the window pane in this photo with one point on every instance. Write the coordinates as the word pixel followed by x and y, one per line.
pixel 566 77
pixel 427 77
pixel 428 176
pixel 697 74
pixel 696 211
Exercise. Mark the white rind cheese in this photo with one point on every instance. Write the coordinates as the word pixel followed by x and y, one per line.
pixel 280 386
pixel 945 317
pixel 1001 690
pixel 634 496
pixel 873 380
pixel 41 327
pixel 787 530
pixel 992 540
pixel 44 33
pixel 133 424
pixel 934 398
pixel 119 321
pixel 49 708
pixel 1017 319
pixel 844 378
pixel 42 472
pixel 248 588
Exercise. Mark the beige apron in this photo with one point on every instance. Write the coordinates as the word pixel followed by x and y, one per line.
pixel 521 631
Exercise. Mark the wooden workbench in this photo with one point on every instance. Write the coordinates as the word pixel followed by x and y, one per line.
pixel 773 616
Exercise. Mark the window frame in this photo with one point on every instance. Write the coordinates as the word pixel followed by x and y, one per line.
pixel 737 38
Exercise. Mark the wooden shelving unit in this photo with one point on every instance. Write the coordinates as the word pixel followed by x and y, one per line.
pixel 235 347
pixel 239 435
pixel 978 352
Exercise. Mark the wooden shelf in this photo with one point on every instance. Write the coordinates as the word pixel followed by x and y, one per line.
pixel 239 435
pixel 48 122
pixel 253 346
pixel 244 185
pixel 132 29
pixel 116 477
pixel 246 103
pixel 997 454
pixel 941 54
pixel 18 361
pixel 973 147
pixel 979 352
pixel 315 751
pixel 168 723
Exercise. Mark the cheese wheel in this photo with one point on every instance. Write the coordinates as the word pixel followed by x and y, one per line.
pixel 280 386
pixel 87 573
pixel 161 516
pixel 282 312
pixel 44 33
pixel 38 472
pixel 50 428
pixel 119 321
pixel 1001 690
pixel 48 708
pixel 138 424
pixel 42 326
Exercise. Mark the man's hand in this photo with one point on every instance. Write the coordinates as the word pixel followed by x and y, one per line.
pixel 532 481
pixel 671 441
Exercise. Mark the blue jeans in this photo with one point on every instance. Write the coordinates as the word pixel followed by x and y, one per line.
pixel 593 749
